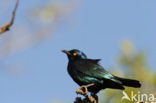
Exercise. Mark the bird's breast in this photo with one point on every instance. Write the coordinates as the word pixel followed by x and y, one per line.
pixel 71 70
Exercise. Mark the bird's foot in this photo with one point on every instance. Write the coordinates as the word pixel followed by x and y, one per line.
pixel 84 89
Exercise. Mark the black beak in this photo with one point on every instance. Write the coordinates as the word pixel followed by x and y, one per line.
pixel 67 52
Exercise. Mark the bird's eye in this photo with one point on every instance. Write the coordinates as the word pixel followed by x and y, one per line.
pixel 74 54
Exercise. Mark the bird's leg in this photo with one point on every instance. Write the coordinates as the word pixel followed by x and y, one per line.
pixel 84 89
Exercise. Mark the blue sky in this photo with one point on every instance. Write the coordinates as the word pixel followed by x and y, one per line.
pixel 98 28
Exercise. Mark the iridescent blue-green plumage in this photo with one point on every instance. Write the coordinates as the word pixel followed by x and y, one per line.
pixel 86 71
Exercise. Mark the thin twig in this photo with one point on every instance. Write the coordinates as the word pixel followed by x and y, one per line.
pixel 84 89
pixel 7 26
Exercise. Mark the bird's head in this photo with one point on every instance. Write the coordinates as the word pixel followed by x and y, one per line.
pixel 75 54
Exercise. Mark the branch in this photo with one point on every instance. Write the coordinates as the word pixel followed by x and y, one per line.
pixel 93 98
pixel 84 100
pixel 7 26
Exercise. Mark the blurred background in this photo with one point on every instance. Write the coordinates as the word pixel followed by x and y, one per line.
pixel 32 67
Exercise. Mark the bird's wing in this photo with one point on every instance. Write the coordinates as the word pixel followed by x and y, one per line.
pixel 91 69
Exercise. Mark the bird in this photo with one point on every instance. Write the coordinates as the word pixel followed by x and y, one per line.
pixel 89 74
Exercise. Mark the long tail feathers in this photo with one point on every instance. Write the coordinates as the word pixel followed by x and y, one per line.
pixel 129 82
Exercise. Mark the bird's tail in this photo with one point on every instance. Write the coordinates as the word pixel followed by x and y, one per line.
pixel 129 82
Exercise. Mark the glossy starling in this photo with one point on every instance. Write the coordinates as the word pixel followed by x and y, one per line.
pixel 86 71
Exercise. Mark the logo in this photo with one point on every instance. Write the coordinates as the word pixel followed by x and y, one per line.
pixel 139 97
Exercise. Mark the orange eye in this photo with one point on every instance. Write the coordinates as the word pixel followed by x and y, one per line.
pixel 74 54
